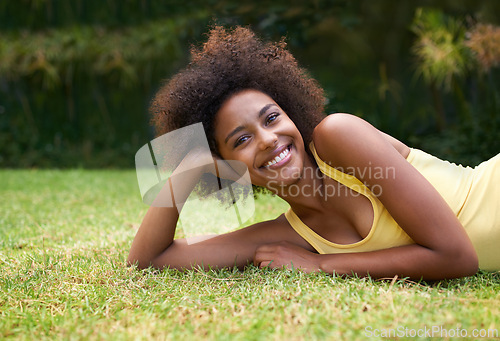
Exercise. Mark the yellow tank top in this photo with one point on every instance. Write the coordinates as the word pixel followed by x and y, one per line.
pixel 472 193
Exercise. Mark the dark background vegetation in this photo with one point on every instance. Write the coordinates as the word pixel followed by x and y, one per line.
pixel 76 76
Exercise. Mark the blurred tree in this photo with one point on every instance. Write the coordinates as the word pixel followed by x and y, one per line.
pixel 442 56
pixel 76 76
pixel 453 57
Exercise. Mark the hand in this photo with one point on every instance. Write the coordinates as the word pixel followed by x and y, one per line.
pixel 278 255
pixel 177 188
pixel 233 170
pixel 206 162
pixel 199 158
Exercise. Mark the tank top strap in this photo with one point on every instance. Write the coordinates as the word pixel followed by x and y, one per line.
pixel 345 179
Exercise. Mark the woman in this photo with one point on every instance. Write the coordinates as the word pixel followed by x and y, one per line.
pixel 376 208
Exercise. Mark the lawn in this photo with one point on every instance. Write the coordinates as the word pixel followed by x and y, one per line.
pixel 64 238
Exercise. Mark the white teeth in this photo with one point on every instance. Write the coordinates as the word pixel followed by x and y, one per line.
pixel 278 158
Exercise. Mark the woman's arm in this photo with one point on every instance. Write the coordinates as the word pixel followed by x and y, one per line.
pixel 413 261
pixel 157 230
pixel 442 249
pixel 154 244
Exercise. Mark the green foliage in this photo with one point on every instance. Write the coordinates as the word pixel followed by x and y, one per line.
pixel 76 76
pixel 126 58
pixel 457 62
pixel 440 48
pixel 35 15
pixel 484 42
pixel 78 95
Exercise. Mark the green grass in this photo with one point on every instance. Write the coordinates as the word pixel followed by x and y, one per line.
pixel 64 238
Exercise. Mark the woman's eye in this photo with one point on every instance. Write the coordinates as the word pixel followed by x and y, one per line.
pixel 272 117
pixel 240 140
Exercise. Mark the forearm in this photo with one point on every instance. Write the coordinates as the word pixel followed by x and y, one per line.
pixel 157 230
pixel 155 234
pixel 413 261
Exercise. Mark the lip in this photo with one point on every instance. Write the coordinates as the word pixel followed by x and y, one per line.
pixel 276 153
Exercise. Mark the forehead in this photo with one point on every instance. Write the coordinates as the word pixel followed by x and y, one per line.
pixel 241 109
pixel 247 101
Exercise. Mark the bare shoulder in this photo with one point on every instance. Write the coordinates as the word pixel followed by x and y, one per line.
pixel 337 130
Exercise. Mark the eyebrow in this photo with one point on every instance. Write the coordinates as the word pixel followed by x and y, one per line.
pixel 240 128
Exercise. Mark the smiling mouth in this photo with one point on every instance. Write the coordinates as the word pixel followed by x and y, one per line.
pixel 279 158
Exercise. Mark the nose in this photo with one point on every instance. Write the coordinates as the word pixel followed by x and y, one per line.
pixel 267 139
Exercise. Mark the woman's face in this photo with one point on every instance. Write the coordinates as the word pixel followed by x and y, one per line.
pixel 250 127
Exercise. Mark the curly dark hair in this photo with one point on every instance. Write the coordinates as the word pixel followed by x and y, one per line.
pixel 230 61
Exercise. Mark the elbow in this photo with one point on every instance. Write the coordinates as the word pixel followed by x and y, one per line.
pixel 465 263
pixel 141 262
pixel 472 264
pixel 137 262
pixel 132 262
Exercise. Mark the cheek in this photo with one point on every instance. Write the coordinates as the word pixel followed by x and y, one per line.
pixel 292 129
pixel 223 151
pixel 225 154
pixel 245 158
pixel 235 155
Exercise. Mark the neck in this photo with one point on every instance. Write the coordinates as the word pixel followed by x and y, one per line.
pixel 307 193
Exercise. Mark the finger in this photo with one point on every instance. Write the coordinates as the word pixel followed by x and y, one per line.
pixel 263 254
pixel 259 258
pixel 266 264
